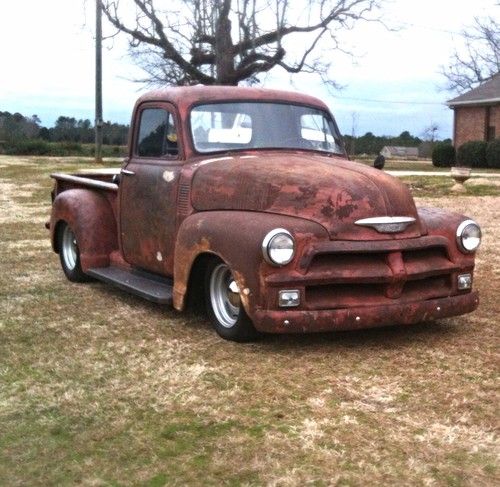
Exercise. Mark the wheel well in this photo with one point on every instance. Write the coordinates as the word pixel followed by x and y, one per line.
pixel 57 229
pixel 195 299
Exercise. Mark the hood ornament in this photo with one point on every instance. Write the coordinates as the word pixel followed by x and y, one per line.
pixel 387 224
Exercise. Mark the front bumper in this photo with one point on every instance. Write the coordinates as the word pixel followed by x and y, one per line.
pixel 307 321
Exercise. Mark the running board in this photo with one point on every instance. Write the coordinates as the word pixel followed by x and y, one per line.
pixel 148 286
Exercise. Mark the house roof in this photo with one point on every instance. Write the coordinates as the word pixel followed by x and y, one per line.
pixel 398 150
pixel 486 93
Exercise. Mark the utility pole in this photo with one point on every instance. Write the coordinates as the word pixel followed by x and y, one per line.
pixel 354 116
pixel 98 81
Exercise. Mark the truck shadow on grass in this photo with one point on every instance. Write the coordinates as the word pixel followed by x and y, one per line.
pixel 196 322
pixel 387 337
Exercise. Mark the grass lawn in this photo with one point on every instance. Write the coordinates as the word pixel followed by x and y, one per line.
pixel 401 164
pixel 99 388
pixel 417 165
pixel 436 186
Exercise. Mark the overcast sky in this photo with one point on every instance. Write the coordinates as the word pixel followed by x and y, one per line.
pixel 47 60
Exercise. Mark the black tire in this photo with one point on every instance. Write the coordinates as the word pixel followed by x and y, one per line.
pixel 223 304
pixel 69 254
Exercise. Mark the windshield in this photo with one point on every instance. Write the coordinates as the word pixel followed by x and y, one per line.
pixel 257 125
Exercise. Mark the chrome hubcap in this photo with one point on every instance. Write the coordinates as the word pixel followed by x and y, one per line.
pixel 224 296
pixel 69 248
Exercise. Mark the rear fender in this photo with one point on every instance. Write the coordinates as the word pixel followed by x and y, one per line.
pixel 90 216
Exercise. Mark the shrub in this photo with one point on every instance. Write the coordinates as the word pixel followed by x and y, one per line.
pixel 33 147
pixel 72 147
pixel 39 147
pixel 113 151
pixel 443 155
pixel 493 154
pixel 472 154
pixel 65 149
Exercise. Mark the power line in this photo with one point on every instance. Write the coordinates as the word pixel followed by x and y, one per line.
pixel 435 29
pixel 399 102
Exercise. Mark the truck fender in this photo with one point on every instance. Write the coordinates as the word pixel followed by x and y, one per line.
pixel 236 238
pixel 444 223
pixel 90 216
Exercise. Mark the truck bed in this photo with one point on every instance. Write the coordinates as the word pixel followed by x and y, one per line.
pixel 94 178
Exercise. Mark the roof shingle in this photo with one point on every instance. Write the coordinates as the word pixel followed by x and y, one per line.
pixel 487 92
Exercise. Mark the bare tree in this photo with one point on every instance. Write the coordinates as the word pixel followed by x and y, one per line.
pixel 430 133
pixel 228 41
pixel 479 60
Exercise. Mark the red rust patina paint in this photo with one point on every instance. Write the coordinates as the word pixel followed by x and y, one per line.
pixel 190 205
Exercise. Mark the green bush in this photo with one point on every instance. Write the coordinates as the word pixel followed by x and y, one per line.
pixel 112 150
pixel 28 147
pixel 39 147
pixel 493 154
pixel 73 147
pixel 472 154
pixel 443 155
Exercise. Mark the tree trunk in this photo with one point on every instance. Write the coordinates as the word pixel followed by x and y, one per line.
pixel 224 59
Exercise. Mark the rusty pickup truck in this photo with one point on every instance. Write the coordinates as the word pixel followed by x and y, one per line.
pixel 243 199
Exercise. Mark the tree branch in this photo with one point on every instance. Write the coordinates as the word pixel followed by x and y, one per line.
pixel 479 60
pixel 194 40
pixel 169 51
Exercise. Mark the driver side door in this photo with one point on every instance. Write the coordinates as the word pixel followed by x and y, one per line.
pixel 148 192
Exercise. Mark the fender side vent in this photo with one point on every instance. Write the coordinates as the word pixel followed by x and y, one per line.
pixel 183 203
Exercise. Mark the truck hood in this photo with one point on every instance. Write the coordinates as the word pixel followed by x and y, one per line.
pixel 331 191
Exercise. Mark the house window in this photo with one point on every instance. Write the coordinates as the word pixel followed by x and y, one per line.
pixel 157 134
pixel 491 133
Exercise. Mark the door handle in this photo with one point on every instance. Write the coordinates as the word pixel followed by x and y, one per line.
pixel 126 172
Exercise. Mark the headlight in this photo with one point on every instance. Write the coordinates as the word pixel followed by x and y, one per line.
pixel 468 236
pixel 278 247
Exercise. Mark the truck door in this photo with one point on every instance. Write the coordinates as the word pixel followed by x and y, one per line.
pixel 148 190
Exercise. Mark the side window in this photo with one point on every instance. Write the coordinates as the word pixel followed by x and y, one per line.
pixel 157 134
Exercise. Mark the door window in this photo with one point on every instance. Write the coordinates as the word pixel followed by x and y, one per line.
pixel 157 134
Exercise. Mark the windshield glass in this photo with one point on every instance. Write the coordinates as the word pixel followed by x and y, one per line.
pixel 257 125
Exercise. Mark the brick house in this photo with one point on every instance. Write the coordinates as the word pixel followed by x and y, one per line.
pixel 477 113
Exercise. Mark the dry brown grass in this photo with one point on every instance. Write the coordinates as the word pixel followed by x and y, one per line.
pixel 101 388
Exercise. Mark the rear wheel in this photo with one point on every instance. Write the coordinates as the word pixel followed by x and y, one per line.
pixel 224 306
pixel 69 254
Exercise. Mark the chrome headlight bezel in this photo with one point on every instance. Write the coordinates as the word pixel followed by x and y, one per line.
pixel 267 247
pixel 460 236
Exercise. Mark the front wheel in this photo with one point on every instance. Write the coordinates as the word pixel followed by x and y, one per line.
pixel 69 254
pixel 224 306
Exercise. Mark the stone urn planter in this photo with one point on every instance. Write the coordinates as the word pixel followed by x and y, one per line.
pixel 460 175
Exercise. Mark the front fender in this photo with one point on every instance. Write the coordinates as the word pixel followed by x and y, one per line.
pixel 90 216
pixel 445 223
pixel 236 237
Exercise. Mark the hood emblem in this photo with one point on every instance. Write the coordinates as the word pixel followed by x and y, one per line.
pixel 387 224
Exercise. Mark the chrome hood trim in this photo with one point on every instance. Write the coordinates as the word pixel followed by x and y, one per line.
pixel 387 224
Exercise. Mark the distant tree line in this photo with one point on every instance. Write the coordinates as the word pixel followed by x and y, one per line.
pixel 373 144
pixel 15 127
pixel 19 133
